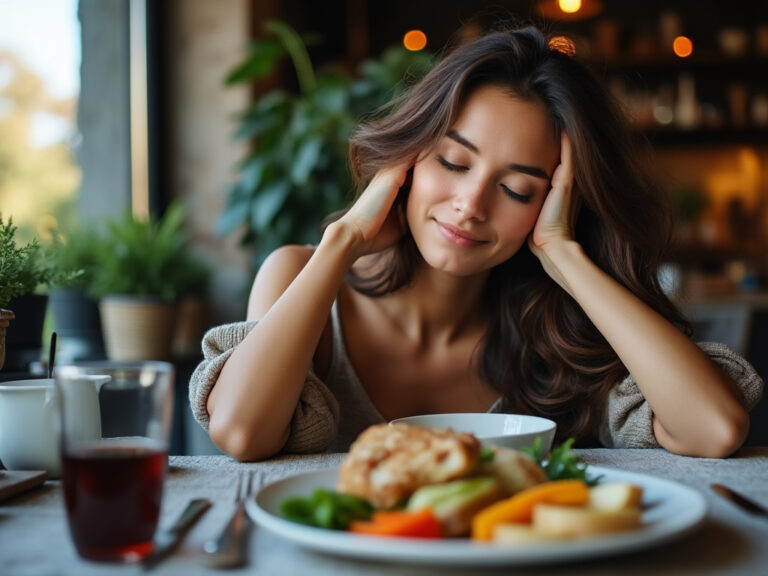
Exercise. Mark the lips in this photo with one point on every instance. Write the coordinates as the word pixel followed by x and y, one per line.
pixel 458 236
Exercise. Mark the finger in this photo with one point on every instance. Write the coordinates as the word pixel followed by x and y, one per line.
pixel 382 190
pixel 574 199
pixel 563 176
pixel 566 153
pixel 554 211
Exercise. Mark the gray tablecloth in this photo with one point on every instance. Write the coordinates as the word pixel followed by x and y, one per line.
pixel 34 538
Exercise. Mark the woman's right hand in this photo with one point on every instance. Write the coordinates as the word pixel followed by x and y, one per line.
pixel 374 219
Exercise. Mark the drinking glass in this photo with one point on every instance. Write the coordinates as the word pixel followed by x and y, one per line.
pixel 114 454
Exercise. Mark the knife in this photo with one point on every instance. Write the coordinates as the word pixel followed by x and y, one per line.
pixel 741 501
pixel 166 541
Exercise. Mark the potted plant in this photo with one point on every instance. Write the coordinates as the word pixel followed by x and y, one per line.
pixel 296 172
pixel 142 273
pixel 75 311
pixel 24 272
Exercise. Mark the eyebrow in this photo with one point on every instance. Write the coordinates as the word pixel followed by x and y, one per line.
pixel 534 171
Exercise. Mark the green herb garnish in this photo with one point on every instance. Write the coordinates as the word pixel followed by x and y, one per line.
pixel 326 509
pixel 486 454
pixel 562 464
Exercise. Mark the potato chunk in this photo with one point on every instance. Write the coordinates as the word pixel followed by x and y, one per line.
pixel 521 535
pixel 615 496
pixel 579 521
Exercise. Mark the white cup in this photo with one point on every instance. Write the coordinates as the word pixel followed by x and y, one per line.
pixel 29 427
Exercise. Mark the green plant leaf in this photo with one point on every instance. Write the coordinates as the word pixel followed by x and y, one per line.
pixel 268 203
pixel 147 257
pixel 306 160
pixel 297 51
pixel 301 141
pixel 29 268
pixel 256 126
pixel 261 61
pixel 169 232
pixel 234 215
pixel 252 174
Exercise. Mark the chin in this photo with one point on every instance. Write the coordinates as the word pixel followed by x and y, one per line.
pixel 452 266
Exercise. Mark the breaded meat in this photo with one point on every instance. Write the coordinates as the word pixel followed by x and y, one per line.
pixel 387 463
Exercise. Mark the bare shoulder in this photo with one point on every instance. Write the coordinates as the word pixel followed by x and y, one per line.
pixel 290 256
pixel 275 274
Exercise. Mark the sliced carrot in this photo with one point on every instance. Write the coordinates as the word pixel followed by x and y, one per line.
pixel 399 523
pixel 519 508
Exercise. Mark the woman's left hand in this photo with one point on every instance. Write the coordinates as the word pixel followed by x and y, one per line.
pixel 557 218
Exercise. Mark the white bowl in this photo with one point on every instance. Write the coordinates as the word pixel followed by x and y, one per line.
pixel 510 430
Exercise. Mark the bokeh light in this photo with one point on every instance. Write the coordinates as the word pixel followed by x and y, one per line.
pixel 569 6
pixel 415 40
pixel 682 46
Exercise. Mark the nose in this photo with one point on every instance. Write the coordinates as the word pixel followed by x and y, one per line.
pixel 471 200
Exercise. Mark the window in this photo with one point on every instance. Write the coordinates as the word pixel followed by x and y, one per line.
pixel 39 91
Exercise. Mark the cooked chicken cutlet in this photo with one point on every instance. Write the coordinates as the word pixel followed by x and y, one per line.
pixel 387 463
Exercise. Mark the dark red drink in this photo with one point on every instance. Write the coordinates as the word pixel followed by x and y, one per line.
pixel 112 493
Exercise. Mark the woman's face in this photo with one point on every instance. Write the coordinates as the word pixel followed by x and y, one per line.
pixel 476 195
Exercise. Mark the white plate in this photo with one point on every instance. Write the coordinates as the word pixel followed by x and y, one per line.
pixel 672 510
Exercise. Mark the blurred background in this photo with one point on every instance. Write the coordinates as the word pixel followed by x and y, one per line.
pixel 238 110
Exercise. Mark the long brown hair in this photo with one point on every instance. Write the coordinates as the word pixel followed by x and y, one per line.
pixel 540 351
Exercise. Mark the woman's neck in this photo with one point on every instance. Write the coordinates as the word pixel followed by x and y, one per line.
pixel 437 308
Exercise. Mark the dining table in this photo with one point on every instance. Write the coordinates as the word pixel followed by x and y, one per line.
pixel 34 537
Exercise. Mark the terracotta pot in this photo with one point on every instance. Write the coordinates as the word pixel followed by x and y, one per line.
pixel 137 327
pixel 5 317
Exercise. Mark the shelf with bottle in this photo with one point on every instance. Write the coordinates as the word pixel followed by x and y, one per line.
pixel 748 66
pixel 683 108
pixel 686 77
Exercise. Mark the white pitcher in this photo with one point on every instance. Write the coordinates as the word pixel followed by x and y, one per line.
pixel 29 431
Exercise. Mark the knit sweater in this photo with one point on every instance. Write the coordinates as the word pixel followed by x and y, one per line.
pixel 332 412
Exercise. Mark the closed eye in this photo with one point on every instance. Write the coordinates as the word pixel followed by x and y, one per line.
pixel 525 199
pixel 451 166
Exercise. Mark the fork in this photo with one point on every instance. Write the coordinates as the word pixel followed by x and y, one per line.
pixel 230 548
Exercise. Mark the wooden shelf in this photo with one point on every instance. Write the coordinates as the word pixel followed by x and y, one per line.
pixel 707 137
pixel 714 255
pixel 751 68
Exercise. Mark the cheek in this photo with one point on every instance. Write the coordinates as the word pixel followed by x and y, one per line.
pixel 520 223
pixel 427 188
pixel 428 183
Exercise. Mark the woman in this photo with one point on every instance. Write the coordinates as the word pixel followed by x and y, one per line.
pixel 502 257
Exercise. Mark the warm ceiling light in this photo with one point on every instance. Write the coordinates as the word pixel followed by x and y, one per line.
pixel 569 9
pixel 682 46
pixel 415 40
pixel 569 6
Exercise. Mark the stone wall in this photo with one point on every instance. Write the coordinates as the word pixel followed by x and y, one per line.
pixel 204 41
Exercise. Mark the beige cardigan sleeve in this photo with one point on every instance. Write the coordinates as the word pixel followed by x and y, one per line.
pixel 627 421
pixel 315 421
